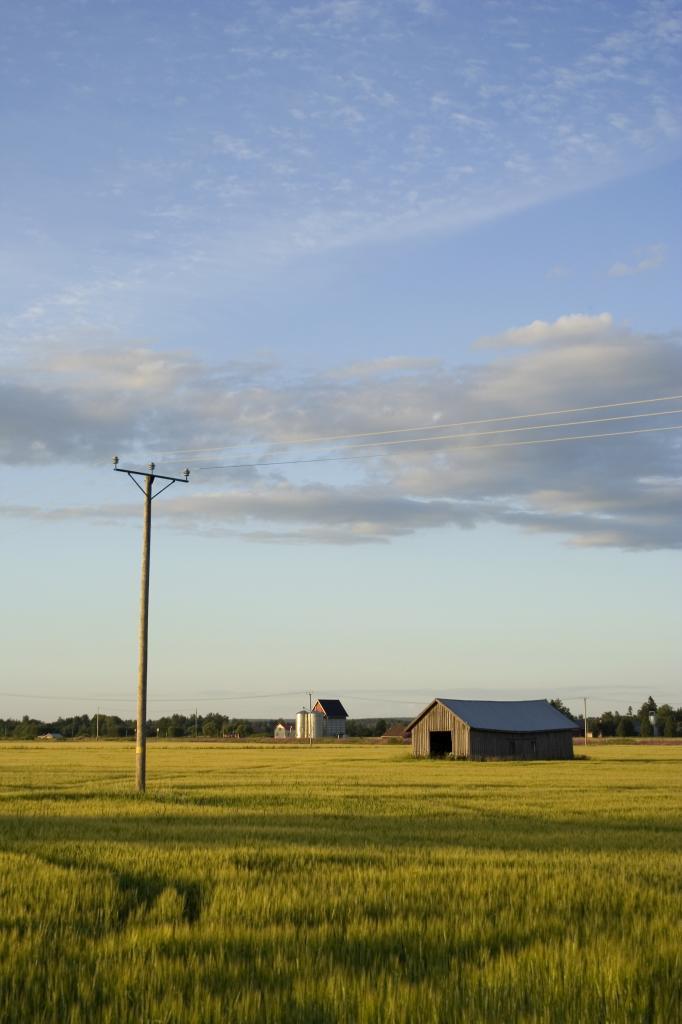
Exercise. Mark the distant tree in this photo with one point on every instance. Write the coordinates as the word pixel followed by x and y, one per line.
pixel 649 707
pixel 625 727
pixel 560 706
pixel 380 727
pixel 607 724
pixel 645 727
pixel 209 728
pixel 111 725
pixel 669 729
pixel 663 713
pixel 27 729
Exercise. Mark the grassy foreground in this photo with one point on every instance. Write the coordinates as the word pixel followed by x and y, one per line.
pixel 339 884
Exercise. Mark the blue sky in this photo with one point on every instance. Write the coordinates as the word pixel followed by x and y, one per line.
pixel 233 224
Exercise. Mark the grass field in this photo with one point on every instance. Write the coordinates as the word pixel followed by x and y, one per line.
pixel 343 883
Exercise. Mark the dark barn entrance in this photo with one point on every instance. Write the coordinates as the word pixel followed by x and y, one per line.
pixel 440 743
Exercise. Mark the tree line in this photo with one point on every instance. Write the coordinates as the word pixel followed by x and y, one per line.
pixel 168 726
pixel 651 719
pixel 112 726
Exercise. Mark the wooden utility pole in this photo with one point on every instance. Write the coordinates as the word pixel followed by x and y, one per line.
pixel 585 717
pixel 143 632
pixel 142 641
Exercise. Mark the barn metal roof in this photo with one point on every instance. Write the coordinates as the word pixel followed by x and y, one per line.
pixel 504 715
pixel 333 708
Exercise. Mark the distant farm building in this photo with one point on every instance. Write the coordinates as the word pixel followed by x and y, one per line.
pixel 396 732
pixel 50 736
pixel 284 730
pixel 334 717
pixel 520 730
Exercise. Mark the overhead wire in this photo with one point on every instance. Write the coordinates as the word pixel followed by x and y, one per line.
pixel 295 442
pixel 508 430
pixel 603 694
pixel 154 700
pixel 457 448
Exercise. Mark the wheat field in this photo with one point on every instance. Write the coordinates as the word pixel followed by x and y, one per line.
pixel 340 883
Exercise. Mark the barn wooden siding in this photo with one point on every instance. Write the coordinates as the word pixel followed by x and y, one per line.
pixel 522 746
pixel 440 719
pixel 477 743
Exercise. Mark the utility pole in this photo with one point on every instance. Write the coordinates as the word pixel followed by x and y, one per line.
pixel 149 477
pixel 585 717
pixel 97 723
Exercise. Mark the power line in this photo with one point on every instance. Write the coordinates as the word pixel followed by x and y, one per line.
pixel 461 447
pixel 508 430
pixel 293 442
pixel 154 700
pixel 373 695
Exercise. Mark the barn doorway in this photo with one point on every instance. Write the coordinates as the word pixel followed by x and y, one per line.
pixel 440 743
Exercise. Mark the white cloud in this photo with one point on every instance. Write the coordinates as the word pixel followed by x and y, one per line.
pixel 652 257
pixel 539 332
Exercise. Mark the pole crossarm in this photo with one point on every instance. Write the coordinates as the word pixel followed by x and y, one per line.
pixel 150 472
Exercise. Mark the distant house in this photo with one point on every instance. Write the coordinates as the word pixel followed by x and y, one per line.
pixel 50 736
pixel 396 732
pixel 334 717
pixel 475 729
pixel 284 730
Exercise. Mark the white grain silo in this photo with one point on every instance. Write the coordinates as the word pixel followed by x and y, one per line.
pixel 315 725
pixel 301 724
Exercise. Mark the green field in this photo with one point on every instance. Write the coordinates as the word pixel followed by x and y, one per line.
pixel 339 883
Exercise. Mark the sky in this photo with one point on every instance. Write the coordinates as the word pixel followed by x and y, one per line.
pixel 341 259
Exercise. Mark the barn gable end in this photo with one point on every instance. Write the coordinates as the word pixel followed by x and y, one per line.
pixel 513 730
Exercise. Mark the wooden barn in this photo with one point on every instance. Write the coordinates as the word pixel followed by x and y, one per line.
pixel 520 730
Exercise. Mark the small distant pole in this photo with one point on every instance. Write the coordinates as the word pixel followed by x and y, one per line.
pixel 97 723
pixel 143 633
pixel 585 717
pixel 310 724
pixel 196 723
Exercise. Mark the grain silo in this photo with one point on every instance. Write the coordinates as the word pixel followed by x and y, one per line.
pixel 315 723
pixel 301 724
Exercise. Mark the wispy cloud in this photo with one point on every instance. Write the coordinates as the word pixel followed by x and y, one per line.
pixel 557 272
pixel 236 147
pixel 304 129
pixel 651 258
